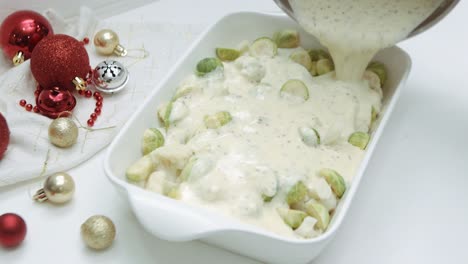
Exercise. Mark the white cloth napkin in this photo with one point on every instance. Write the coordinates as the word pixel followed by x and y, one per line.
pixel 30 154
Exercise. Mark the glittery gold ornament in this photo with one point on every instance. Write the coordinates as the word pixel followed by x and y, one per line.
pixel 98 232
pixel 63 132
pixel 107 42
pixel 58 188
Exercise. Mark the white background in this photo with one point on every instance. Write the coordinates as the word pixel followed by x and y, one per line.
pixel 411 207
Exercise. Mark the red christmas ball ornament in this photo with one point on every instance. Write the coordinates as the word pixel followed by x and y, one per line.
pixel 12 230
pixel 4 136
pixel 60 61
pixel 54 102
pixel 20 32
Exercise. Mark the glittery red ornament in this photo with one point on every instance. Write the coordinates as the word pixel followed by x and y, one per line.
pixel 21 32
pixel 4 136
pixel 55 102
pixel 57 60
pixel 12 230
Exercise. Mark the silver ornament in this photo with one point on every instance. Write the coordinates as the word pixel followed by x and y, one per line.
pixel 98 232
pixel 110 76
pixel 58 188
pixel 63 132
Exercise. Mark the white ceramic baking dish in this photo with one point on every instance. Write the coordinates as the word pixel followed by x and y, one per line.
pixel 176 221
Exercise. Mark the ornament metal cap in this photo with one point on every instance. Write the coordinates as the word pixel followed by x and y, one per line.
pixel 58 188
pixel 79 83
pixel 18 58
pixel 110 76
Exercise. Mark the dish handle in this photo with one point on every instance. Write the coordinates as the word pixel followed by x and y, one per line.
pixel 164 218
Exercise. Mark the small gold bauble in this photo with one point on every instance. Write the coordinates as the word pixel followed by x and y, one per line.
pixel 63 132
pixel 107 42
pixel 58 188
pixel 98 232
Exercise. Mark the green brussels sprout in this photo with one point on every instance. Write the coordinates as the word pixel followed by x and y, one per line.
pixel 318 54
pixel 319 212
pixel 263 47
pixel 164 113
pixel 379 69
pixel 373 80
pixel 226 54
pixel 313 68
pixel 187 170
pixel 359 139
pixel 297 193
pixel 152 139
pixel 141 169
pixel 288 38
pixel 324 66
pixel 292 218
pixel 208 65
pixel 295 88
pixel 302 57
pixel 217 120
pixel 309 136
pixel 335 180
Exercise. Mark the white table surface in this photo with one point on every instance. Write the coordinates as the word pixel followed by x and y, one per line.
pixel 412 205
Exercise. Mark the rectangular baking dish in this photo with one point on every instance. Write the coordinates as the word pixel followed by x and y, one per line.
pixel 176 221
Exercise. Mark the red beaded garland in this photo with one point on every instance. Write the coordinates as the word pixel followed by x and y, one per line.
pixel 99 103
pixel 36 109
pixel 93 116
pixel 86 40
pixel 88 94
pixel 90 122
pixel 29 107
pixel 22 102
pixel 97 110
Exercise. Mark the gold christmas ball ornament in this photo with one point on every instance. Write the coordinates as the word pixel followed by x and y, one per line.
pixel 63 132
pixel 98 232
pixel 58 188
pixel 107 42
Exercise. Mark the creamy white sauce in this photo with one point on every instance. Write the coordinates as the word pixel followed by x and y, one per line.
pixel 260 152
pixel 354 31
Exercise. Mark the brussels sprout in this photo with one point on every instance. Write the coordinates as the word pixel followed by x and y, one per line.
pixel 208 65
pixel 302 57
pixel 318 54
pixel 374 114
pixel 172 112
pixel 319 212
pixel 335 180
pixel 267 198
pixel 313 68
pixel 217 120
pixel 164 113
pixel 263 47
pixel 288 38
pixel 196 168
pixel 309 136
pixel 359 139
pixel 226 54
pixel 324 66
pixel 292 218
pixel 152 139
pixel 297 193
pixel 373 80
pixel 141 169
pixel 306 229
pixel 295 88
pixel 185 173
pixel 173 192
pixel 379 69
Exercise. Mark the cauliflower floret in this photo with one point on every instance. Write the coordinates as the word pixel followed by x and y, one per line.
pixel 251 68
